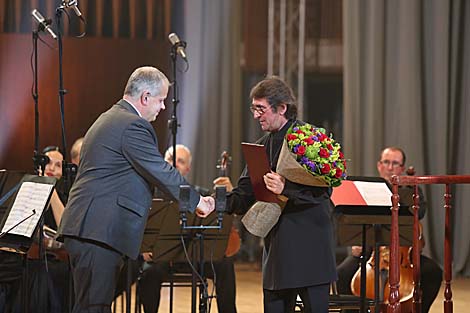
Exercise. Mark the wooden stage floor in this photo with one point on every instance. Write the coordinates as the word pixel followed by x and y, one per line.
pixel 249 294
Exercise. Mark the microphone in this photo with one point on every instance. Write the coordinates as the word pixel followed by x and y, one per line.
pixel 72 4
pixel 184 197
pixel 220 202
pixel 180 45
pixel 43 23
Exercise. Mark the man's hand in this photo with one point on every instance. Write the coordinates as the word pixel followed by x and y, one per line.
pixel 223 181
pixel 274 182
pixel 205 207
pixel 356 251
pixel 147 256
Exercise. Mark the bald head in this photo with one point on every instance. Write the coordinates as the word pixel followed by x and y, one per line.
pixel 183 158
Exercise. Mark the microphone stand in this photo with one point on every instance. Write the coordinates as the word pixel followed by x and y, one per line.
pixel 199 235
pixel 173 121
pixel 39 160
pixel 69 170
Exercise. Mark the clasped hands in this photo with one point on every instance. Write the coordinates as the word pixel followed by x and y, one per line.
pixel 205 207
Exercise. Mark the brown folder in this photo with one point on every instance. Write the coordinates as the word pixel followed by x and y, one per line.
pixel 258 165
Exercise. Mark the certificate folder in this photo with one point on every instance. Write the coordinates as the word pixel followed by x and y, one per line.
pixel 258 165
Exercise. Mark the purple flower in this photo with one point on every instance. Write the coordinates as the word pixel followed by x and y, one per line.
pixel 315 138
pixel 295 129
pixel 312 166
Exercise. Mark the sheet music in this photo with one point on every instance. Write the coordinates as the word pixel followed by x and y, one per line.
pixel 31 196
pixel 374 193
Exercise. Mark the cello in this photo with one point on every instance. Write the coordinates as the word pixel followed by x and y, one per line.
pixel 406 278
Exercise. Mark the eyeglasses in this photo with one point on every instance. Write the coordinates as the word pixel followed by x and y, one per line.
pixel 394 164
pixel 258 109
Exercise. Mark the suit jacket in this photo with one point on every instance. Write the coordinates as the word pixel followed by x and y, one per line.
pixel 119 166
pixel 298 251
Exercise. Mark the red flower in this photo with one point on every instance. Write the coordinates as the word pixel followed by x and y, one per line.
pixel 291 137
pixel 309 141
pixel 325 169
pixel 329 146
pixel 324 153
pixel 341 155
pixel 339 172
pixel 299 131
pixel 301 150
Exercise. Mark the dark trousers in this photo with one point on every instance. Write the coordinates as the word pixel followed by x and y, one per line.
pixel 95 270
pixel 152 278
pixel 431 279
pixel 314 298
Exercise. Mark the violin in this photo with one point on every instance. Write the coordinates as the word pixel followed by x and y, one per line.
pixel 234 241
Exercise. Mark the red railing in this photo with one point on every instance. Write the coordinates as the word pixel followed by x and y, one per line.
pixel 394 278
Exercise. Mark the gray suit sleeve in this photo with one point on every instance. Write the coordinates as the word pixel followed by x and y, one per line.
pixel 140 147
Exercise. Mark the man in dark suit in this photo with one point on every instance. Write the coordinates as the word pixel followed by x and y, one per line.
pixel 298 254
pixel 108 206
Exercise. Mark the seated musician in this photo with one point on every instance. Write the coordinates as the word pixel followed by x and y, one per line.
pixel 153 277
pixel 54 295
pixel 392 162
pixel 48 286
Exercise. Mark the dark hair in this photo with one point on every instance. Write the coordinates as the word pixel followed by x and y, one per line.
pixel 393 148
pixel 276 92
pixel 50 148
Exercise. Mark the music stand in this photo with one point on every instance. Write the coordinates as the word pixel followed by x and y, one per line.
pixel 27 202
pixel 362 214
pixel 25 211
pixel 164 235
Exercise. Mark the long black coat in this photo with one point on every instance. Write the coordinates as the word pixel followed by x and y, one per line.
pixel 298 251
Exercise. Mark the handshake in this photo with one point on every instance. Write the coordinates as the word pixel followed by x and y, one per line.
pixel 207 204
pixel 205 207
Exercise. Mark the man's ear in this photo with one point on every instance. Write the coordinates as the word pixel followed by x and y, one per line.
pixel 282 109
pixel 144 98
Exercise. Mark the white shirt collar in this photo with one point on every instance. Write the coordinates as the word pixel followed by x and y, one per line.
pixel 138 112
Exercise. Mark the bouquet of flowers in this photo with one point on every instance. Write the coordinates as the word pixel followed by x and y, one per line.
pixel 310 157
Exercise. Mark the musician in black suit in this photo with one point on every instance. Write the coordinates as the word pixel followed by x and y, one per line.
pixel 298 256
pixel 392 162
pixel 108 205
